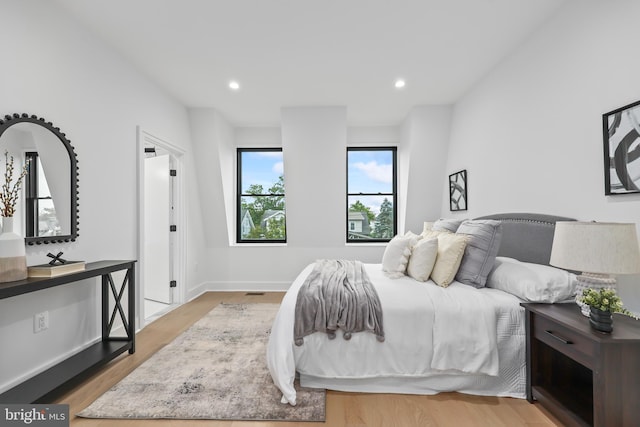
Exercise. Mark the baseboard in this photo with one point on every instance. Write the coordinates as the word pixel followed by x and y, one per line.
pixel 35 371
pixel 196 291
pixel 226 286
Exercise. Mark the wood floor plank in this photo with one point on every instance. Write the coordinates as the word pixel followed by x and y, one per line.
pixel 343 409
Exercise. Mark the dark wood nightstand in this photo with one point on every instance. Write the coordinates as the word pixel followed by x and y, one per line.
pixel 583 377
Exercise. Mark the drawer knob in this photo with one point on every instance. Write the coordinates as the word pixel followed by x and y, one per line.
pixel 559 338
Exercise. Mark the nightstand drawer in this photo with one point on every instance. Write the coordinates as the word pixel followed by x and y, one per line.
pixel 564 340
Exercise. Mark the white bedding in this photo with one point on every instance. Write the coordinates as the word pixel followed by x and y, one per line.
pixel 478 333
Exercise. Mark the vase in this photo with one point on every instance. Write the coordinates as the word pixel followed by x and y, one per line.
pixel 13 262
pixel 600 320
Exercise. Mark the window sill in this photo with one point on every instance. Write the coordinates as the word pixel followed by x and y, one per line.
pixel 367 245
pixel 257 245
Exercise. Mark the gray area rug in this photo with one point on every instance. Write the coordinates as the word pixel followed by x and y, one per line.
pixel 214 370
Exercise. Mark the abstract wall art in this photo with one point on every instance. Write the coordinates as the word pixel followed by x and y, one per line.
pixel 621 135
pixel 458 191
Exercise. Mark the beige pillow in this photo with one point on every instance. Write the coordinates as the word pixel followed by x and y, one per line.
pixel 450 252
pixel 430 234
pixel 423 258
pixel 428 226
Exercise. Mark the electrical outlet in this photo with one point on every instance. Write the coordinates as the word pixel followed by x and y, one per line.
pixel 40 322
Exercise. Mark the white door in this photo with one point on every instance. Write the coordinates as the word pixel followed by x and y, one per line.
pixel 157 252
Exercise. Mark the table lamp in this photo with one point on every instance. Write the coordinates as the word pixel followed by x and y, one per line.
pixel 598 250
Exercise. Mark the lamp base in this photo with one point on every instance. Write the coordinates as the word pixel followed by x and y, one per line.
pixel 592 281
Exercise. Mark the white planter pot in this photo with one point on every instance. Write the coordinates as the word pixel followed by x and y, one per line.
pixel 13 262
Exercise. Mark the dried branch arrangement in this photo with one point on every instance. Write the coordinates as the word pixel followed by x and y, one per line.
pixel 10 192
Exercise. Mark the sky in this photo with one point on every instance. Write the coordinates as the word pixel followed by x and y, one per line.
pixel 369 172
pixel 261 168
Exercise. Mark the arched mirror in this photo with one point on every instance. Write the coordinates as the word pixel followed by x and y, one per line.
pixel 47 209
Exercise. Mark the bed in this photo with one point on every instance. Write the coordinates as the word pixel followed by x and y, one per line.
pixel 437 339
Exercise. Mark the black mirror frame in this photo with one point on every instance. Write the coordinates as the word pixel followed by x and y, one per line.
pixel 10 120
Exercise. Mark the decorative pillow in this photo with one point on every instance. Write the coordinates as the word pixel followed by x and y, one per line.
pixel 413 235
pixel 396 255
pixel 532 282
pixel 428 226
pixel 480 253
pixel 447 225
pixel 423 258
pixel 430 234
pixel 450 251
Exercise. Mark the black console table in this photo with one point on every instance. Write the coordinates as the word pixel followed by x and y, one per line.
pixel 44 387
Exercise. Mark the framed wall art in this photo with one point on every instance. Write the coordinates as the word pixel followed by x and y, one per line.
pixel 621 135
pixel 458 191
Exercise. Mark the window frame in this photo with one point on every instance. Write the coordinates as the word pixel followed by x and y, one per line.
pixel 32 195
pixel 240 195
pixel 394 194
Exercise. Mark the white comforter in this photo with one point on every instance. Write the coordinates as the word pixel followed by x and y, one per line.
pixel 430 332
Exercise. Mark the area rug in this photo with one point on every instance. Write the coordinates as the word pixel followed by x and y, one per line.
pixel 214 370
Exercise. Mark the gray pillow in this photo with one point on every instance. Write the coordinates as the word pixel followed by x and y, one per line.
pixel 447 225
pixel 480 253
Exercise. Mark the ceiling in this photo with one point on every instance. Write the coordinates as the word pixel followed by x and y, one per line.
pixel 313 52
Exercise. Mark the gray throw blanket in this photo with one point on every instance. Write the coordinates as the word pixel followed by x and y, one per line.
pixel 337 294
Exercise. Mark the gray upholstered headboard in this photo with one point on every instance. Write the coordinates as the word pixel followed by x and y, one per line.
pixel 527 236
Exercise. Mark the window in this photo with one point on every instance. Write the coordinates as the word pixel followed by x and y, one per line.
pixel 41 218
pixel 261 203
pixel 371 194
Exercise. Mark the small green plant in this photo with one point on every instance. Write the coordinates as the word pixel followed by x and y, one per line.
pixel 604 299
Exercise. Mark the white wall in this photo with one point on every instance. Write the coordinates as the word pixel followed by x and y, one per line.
pixel 530 134
pixel 314 141
pixel 424 145
pixel 56 69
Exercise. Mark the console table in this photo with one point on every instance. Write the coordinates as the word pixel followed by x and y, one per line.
pixel 45 386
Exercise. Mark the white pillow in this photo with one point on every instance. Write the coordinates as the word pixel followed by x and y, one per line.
pixel 396 255
pixel 413 235
pixel 423 258
pixel 532 282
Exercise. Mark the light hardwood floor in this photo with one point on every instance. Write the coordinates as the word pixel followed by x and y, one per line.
pixel 343 409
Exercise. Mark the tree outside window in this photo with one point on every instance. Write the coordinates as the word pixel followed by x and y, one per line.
pixel 261 196
pixel 371 194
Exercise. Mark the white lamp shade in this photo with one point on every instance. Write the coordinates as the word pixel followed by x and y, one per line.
pixel 596 247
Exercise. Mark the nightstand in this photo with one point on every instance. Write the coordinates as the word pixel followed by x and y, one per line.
pixel 583 377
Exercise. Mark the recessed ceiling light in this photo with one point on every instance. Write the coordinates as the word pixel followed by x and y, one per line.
pixel 234 85
pixel 399 84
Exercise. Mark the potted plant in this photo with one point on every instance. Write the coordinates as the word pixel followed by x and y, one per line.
pixel 602 303
pixel 13 264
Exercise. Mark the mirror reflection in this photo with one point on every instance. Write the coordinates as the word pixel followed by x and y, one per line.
pixel 46 210
pixel 42 218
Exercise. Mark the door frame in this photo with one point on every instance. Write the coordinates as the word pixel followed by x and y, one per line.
pixel 179 219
